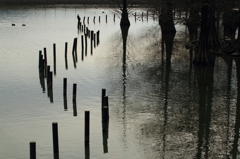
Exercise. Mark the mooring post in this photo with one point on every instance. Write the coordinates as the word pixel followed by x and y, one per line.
pixel 74 91
pixel 98 32
pixel 87 127
pixel 92 32
pixel 47 70
pixel 39 58
pixel 32 150
pixel 64 86
pixel 86 35
pixel 105 110
pixel 103 95
pixel 75 40
pixel 55 138
pixel 66 63
pixel 82 46
pixel 54 58
pixel 45 55
pixel 94 40
pixel 66 46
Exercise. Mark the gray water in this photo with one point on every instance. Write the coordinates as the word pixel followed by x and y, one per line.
pixel 154 109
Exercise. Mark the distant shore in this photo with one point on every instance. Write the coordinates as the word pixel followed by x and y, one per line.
pixel 89 2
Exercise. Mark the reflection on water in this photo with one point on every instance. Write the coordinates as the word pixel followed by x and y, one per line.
pixel 160 105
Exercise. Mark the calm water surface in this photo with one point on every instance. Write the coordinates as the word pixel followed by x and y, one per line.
pixel 156 111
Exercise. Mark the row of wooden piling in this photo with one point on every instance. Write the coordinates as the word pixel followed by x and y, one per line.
pixel 85 20
pixel 105 125
pixel 44 68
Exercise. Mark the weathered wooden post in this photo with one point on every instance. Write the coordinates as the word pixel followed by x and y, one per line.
pixel 32 150
pixel 94 40
pixel 103 95
pixel 64 86
pixel 94 19
pixel 87 127
pixel 106 18
pixel 99 19
pixel 98 41
pixel 74 91
pixel 39 58
pixel 82 47
pixel 114 18
pixel 86 35
pixel 66 62
pixel 55 138
pixel 45 55
pixel 54 58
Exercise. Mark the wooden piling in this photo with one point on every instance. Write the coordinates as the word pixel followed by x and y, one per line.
pixel 105 101
pixel 45 55
pixel 64 86
pixel 82 47
pixel 75 108
pixel 92 32
pixel 75 40
pixel 135 16
pixel 55 138
pixel 32 150
pixel 87 127
pixel 98 41
pixel 114 18
pixel 103 95
pixel 66 46
pixel 39 58
pixel 47 70
pixel 83 20
pixel 54 58
pixel 74 91
pixel 106 18
pixel 88 20
pixel 94 19
pixel 94 40
pixel 86 35
pixel 99 19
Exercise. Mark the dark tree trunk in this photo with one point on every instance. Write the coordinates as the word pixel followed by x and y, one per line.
pixel 166 19
pixel 193 21
pixel 168 30
pixel 236 46
pixel 213 40
pixel 124 19
pixel 202 54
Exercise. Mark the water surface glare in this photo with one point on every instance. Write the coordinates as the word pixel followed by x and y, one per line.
pixel 155 110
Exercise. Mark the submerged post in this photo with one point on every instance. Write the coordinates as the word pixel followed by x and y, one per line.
pixel 55 138
pixel 54 58
pixel 103 95
pixel 87 127
pixel 64 86
pixel 32 150
pixel 66 46
pixel 74 92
